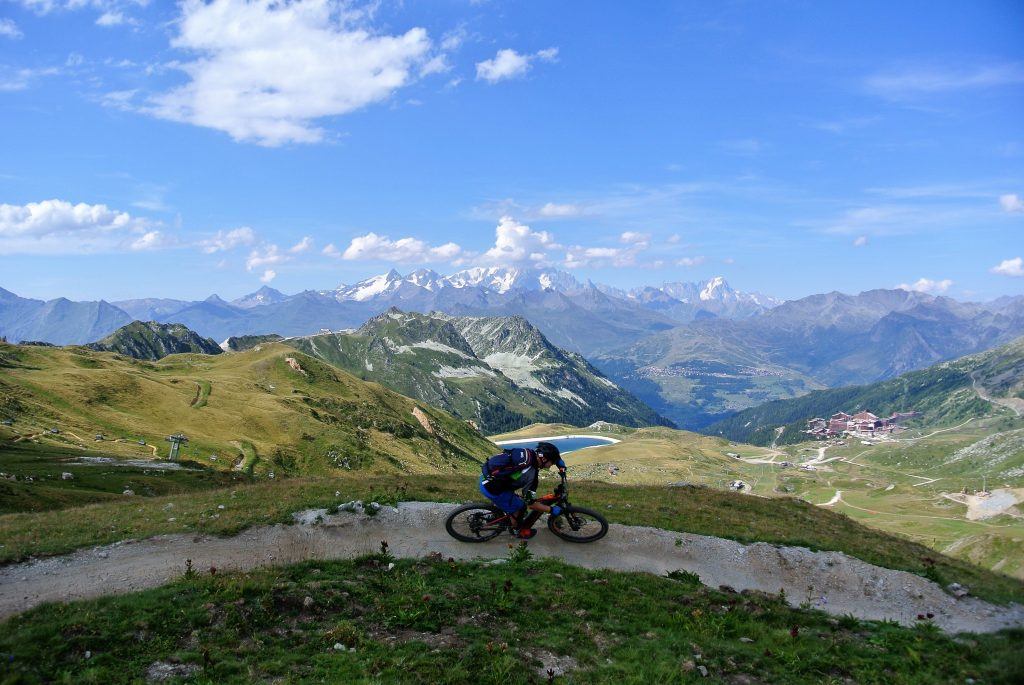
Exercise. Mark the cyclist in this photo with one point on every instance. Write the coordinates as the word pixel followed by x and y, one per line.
pixel 518 469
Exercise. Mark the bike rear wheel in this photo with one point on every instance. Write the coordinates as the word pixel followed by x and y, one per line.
pixel 472 522
pixel 576 524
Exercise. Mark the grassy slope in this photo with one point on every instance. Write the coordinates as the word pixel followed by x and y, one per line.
pixel 440 622
pixel 882 485
pixel 253 406
pixel 698 510
pixel 942 393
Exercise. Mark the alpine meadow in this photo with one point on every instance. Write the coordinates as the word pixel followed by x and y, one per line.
pixel 505 342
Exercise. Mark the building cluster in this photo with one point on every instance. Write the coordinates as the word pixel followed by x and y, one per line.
pixel 861 424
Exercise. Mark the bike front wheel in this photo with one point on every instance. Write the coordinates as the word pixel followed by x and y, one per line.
pixel 576 524
pixel 477 522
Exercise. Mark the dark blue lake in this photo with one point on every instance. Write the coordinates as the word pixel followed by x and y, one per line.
pixel 564 445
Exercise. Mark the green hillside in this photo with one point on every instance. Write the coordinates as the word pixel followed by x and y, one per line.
pixel 499 372
pixel 944 394
pixel 152 340
pixel 272 411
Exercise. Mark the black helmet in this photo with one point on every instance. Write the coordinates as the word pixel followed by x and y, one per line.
pixel 549 452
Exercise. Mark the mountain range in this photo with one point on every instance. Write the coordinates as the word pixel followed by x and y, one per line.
pixel 582 317
pixel 152 340
pixel 501 373
pixel 704 371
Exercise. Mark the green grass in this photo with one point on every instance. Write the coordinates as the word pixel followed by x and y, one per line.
pixel 444 622
pixel 704 511
pixel 39 485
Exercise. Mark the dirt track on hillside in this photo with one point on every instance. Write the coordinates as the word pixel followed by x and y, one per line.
pixel 830 581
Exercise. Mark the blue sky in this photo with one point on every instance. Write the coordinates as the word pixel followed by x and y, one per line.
pixel 161 149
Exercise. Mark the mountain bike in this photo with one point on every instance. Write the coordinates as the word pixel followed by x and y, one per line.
pixel 483 521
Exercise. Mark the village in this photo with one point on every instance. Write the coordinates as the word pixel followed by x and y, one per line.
pixel 863 424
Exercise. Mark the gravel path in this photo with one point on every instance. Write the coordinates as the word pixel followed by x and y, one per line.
pixel 830 581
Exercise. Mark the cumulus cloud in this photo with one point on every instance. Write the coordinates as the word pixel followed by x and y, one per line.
pixel 228 240
pixel 304 245
pixel 635 238
pixel 693 261
pixel 8 29
pixel 860 241
pixel 60 227
pixel 266 71
pixel 374 247
pixel 111 19
pixel 1011 202
pixel 507 64
pixel 1009 267
pixel 331 251
pixel 927 285
pixel 265 255
pixel 268 276
pixel 152 240
pixel 516 243
pixel 554 211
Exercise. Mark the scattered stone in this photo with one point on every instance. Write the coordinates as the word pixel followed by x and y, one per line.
pixel 88 654
pixel 67 476
pixel 957 590
pixel 307 602
pixel 553 665
pixel 703 670
pixel 220 506
pixel 128 492
pixel 338 647
pixel 162 671
pixel 746 639
pixel 391 566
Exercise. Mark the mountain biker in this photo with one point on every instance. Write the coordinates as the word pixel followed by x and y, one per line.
pixel 518 469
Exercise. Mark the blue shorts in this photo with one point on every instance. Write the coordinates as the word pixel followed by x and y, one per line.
pixel 509 502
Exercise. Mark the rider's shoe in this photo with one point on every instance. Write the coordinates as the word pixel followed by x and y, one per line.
pixel 526 533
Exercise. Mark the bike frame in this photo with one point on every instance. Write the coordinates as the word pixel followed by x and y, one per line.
pixel 559 497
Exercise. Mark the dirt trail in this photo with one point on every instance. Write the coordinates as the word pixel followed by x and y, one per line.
pixel 840 584
pixel 1013 403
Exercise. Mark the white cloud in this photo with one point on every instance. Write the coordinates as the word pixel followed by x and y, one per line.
pixel 1011 202
pixel 743 146
pixel 265 255
pixel 8 29
pixel 331 251
pixel 673 239
pixel 267 70
pixel 927 285
pixel 552 210
pixel 860 241
pixel 516 243
pixel 152 240
pixel 228 240
pixel 268 276
pixel 693 261
pixel 111 19
pixel 60 227
pixel 304 245
pixel 635 238
pixel 1009 267
pixel 12 79
pixel 922 81
pixel 508 64
pixel 374 247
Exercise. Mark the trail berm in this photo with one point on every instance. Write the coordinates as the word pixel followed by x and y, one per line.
pixel 829 581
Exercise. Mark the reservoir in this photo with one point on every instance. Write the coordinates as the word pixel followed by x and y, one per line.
pixel 564 443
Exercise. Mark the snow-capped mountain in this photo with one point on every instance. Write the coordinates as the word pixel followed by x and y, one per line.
pixel 701 299
pixel 500 280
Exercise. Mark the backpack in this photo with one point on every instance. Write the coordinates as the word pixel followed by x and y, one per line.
pixel 503 467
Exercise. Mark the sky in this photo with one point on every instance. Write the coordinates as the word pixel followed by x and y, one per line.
pixel 157 149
